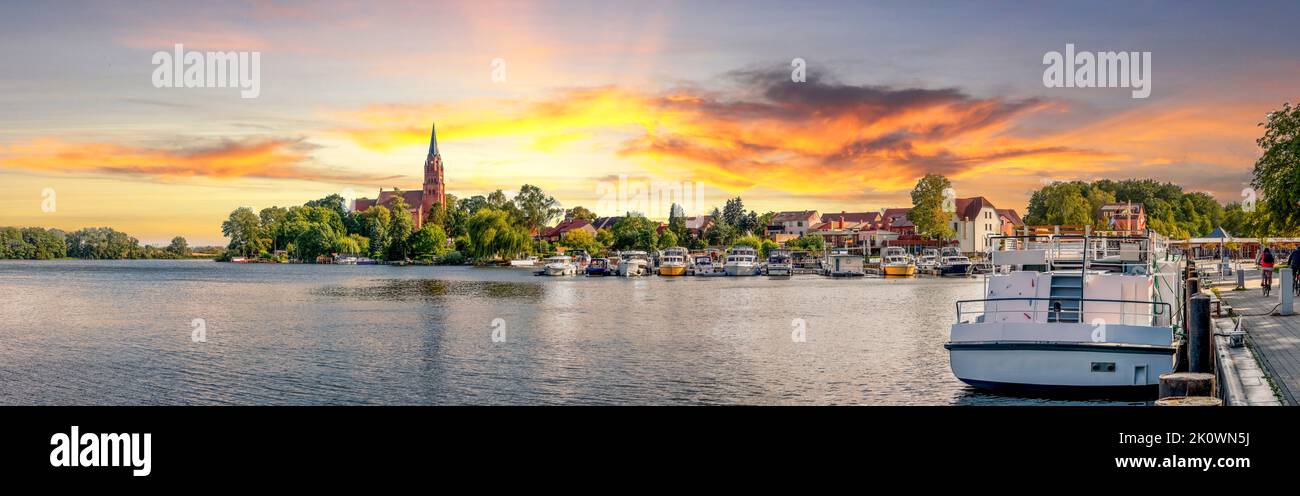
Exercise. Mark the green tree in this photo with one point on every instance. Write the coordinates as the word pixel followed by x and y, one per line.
pixel 399 229
pixel 635 233
pixel 927 212
pixel 429 242
pixel 179 247
pixel 579 239
pixel 667 240
pixel 376 221
pixel 579 213
pixel 1277 172
pixel 492 235
pixel 536 208
pixel 318 239
pixel 244 228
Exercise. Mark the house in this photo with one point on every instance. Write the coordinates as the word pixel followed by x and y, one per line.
pixel 974 221
pixel 792 223
pixel 895 219
pixel 1131 217
pixel 605 222
pixel 698 224
pixel 839 233
pixel 1011 221
pixel 869 218
pixel 557 233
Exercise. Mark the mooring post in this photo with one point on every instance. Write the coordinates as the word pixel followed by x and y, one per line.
pixel 1288 297
pixel 1199 329
pixel 1241 278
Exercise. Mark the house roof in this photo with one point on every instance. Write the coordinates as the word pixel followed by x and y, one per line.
pixel 793 216
pixel 1011 216
pixel 896 217
pixel 866 217
pixel 1122 206
pixel 564 227
pixel 698 222
pixel 413 198
pixel 836 225
pixel 969 208
pixel 605 222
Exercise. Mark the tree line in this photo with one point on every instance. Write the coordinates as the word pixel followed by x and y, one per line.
pixel 94 243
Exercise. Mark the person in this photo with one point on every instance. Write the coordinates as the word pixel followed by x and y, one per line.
pixel 1293 262
pixel 1266 261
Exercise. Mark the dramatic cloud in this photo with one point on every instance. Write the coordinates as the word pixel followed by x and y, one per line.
pixel 815 138
pixel 262 158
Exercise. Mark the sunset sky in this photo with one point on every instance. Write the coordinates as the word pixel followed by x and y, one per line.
pixel 695 92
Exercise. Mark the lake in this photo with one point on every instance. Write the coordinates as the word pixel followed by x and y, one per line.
pixel 121 333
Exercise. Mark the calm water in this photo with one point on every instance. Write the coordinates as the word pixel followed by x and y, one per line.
pixel 119 332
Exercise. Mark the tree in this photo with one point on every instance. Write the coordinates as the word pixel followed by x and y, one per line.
pixel 536 209
pixel 579 239
pixel 927 212
pixel 677 221
pixel 579 213
pixel 273 220
pixel 1277 172
pixel 375 221
pixel 179 247
pixel 807 242
pixel 244 229
pixel 667 240
pixel 733 212
pixel 750 241
pixel 635 232
pixel 492 235
pixel 318 239
pixel 429 242
pixel 399 229
pixel 605 238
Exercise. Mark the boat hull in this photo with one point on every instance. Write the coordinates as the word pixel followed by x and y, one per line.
pixel 954 270
pixel 739 270
pixel 597 272
pixel 558 271
pixel 1046 366
pixel 899 270
pixel 779 270
pixel 666 270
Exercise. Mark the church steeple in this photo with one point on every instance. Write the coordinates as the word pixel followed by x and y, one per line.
pixel 433 141
pixel 434 191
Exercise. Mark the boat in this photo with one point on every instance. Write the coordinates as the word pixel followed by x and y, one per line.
pixel 929 260
pixel 673 262
pixel 599 267
pixel 953 263
pixel 742 261
pixel 778 264
pixel 580 259
pixel 1098 320
pixel 703 266
pixel 895 262
pixel 633 263
pixel 524 262
pixel 841 263
pixel 561 265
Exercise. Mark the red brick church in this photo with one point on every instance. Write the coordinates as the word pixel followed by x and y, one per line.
pixel 419 201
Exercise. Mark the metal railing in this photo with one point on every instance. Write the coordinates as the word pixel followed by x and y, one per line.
pixel 1154 309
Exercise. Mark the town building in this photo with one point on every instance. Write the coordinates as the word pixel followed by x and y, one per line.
pixel 421 202
pixel 557 233
pixel 792 224
pixel 1126 217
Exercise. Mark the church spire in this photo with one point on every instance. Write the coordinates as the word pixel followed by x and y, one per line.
pixel 433 141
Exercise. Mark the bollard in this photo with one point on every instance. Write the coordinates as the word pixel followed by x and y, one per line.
pixel 1241 278
pixel 1199 329
pixel 1288 296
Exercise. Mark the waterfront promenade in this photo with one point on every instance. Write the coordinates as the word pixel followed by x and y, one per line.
pixel 1276 339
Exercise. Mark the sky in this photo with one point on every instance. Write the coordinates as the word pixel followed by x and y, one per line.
pixel 590 99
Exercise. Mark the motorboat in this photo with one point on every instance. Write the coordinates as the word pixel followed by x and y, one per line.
pixel 895 262
pixel 742 261
pixel 1098 322
pixel 561 265
pixel 778 264
pixel 841 263
pixel 524 262
pixel 953 263
pixel 598 267
pixel 673 262
pixel 633 263
pixel 929 259
pixel 703 266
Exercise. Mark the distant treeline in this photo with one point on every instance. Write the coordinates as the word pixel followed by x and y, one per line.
pixel 95 243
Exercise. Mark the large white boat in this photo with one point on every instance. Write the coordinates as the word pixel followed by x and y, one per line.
pixel 559 266
pixel 633 263
pixel 929 259
pixel 742 261
pixel 1097 318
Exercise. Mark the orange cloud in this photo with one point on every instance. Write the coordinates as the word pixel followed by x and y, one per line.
pixel 263 158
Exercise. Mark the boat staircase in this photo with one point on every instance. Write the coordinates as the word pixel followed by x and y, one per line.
pixel 1064 304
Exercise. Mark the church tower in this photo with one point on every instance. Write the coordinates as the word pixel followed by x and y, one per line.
pixel 434 191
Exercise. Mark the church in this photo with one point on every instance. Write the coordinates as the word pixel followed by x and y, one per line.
pixel 419 201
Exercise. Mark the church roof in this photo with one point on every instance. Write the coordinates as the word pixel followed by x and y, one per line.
pixel 433 140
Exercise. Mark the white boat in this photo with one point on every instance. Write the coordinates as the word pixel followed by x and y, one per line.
pixel 1103 328
pixel 778 263
pixel 844 264
pixel 559 266
pixel 742 261
pixel 633 263
pixel 929 259
pixel 524 262
pixel 703 266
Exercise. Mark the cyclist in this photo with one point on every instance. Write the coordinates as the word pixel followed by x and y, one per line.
pixel 1293 262
pixel 1266 261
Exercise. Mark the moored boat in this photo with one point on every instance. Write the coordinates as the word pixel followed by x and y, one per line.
pixel 559 266
pixel 953 263
pixel 633 263
pixel 673 262
pixel 896 263
pixel 844 264
pixel 741 261
pixel 778 264
pixel 1078 325
pixel 524 262
pixel 598 267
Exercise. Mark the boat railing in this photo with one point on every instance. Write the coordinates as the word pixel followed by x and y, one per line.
pixel 1057 310
pixel 1071 250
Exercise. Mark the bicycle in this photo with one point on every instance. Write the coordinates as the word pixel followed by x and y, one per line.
pixel 1266 280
